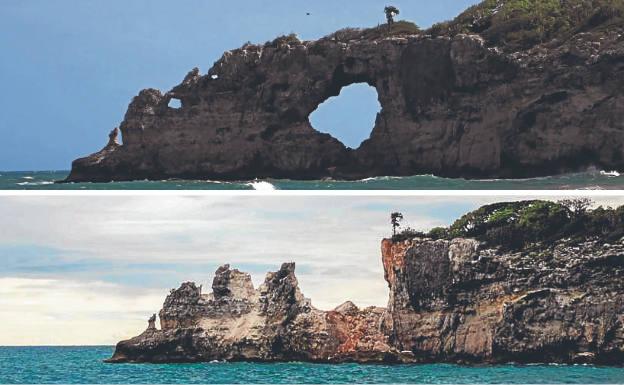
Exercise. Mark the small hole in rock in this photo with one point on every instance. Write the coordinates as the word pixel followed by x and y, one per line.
pixel 175 103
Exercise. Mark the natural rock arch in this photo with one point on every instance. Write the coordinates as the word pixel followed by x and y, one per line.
pixel 350 116
pixel 450 106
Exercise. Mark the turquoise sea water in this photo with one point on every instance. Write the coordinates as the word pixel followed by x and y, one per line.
pixel 84 365
pixel 44 180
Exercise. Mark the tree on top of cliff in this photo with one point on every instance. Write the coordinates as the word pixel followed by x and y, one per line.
pixel 395 221
pixel 390 12
pixel 577 206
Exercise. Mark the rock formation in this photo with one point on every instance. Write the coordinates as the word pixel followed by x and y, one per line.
pixel 455 105
pixel 272 323
pixel 450 301
pixel 453 301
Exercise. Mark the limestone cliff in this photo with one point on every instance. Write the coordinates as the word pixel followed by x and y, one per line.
pixel 455 301
pixel 450 301
pixel 453 104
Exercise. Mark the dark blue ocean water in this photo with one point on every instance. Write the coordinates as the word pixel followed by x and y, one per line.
pixel 84 365
pixel 44 180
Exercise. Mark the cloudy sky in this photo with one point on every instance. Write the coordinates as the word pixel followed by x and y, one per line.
pixel 91 269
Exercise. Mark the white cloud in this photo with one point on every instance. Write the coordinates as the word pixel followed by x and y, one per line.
pixel 61 312
pixel 116 256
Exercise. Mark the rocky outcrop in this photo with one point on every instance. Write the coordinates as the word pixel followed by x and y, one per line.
pixel 272 323
pixel 450 105
pixel 450 301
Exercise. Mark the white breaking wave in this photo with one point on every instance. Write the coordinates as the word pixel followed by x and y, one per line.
pixel 34 183
pixel 610 173
pixel 261 186
pixel 382 178
pixel 27 177
pixel 591 188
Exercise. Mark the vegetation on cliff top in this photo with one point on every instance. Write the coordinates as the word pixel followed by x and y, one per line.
pixel 391 28
pixel 513 24
pixel 397 28
pixel 524 23
pixel 513 225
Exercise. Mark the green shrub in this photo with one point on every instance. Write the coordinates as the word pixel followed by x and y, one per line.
pixel 524 23
pixel 398 28
pixel 401 27
pixel 438 233
pixel 284 39
pixel 503 216
pixel 408 233
pixel 515 225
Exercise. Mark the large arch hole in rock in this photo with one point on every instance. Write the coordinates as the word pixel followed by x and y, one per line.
pixel 350 116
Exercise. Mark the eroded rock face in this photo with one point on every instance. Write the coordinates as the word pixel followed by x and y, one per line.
pixel 453 301
pixel 451 106
pixel 450 301
pixel 273 323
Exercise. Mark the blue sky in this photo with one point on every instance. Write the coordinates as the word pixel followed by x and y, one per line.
pixel 70 67
pixel 107 262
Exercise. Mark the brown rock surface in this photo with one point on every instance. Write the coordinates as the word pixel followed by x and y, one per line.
pixel 452 106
